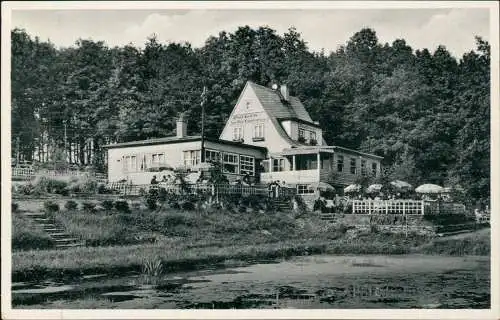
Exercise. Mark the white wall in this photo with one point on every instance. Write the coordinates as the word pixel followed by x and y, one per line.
pixel 248 112
pixel 173 157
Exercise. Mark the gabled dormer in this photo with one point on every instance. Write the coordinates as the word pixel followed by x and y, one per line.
pixel 272 118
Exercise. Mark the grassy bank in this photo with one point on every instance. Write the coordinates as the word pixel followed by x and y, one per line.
pixel 26 235
pixel 185 255
pixel 180 240
pixel 476 243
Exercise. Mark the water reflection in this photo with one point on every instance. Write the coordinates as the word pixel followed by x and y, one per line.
pixel 411 281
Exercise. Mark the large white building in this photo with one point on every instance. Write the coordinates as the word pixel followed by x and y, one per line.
pixel 269 135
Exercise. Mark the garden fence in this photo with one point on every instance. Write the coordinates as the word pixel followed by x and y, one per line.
pixel 199 188
pixel 388 207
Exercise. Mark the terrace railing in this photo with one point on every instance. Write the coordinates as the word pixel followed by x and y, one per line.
pixel 388 207
pixel 20 172
pixel 29 172
pixel 197 188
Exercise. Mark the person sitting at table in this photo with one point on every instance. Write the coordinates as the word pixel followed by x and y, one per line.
pixel 154 181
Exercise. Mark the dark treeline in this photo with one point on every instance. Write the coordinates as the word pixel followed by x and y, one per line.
pixel 425 112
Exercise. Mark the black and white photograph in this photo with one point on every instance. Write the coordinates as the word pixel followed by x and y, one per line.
pixel 250 159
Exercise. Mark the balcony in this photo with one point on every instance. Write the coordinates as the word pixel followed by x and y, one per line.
pixel 291 177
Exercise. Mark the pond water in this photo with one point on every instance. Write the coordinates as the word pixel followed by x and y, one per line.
pixel 321 281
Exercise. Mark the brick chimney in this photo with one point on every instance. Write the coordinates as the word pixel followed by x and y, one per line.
pixel 181 126
pixel 284 92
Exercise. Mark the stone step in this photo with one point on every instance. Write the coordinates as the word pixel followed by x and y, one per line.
pixel 59 235
pixel 43 220
pixel 53 229
pixel 70 245
pixel 66 240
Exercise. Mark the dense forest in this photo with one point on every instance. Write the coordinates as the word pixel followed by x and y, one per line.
pixel 424 111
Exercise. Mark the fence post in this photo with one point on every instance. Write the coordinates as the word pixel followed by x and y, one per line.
pixel 423 206
pixel 386 206
pixel 354 201
pixel 369 207
pixel 404 212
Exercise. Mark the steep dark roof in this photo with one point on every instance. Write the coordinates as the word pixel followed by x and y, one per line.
pixel 271 101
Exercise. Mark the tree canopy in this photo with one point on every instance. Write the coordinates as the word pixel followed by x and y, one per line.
pixel 425 112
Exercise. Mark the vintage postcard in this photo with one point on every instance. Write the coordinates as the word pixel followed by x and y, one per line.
pixel 261 159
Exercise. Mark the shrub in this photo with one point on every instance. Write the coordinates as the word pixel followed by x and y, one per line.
pixel 57 187
pixel 152 198
pixel 374 228
pixel 341 228
pixel 135 205
pixel 71 205
pixel 89 207
pixel 188 205
pixel 27 189
pixel 162 194
pixel 14 206
pixel 50 207
pixel 107 204
pixel 151 203
pixel 102 189
pixel 90 186
pixel 122 206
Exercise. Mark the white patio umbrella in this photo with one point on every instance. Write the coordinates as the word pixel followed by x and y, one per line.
pixel 429 188
pixel 322 186
pixel 401 185
pixel 374 188
pixel 352 188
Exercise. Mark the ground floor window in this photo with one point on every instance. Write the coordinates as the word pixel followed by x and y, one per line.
pixel 211 155
pixel 374 169
pixel 247 165
pixel 157 159
pixel 306 162
pixel 363 167
pixel 130 163
pixel 353 165
pixel 340 163
pixel 191 157
pixel 230 163
pixel 304 189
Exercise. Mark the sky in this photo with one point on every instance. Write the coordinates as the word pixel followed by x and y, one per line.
pixel 327 29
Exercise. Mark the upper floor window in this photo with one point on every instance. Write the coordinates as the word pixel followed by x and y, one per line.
pixel 302 135
pixel 353 165
pixel 258 132
pixel 278 165
pixel 237 133
pixel 340 163
pixel 363 167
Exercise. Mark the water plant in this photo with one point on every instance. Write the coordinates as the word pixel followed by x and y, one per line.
pixel 152 267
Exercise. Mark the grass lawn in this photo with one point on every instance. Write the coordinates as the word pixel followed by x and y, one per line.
pixel 182 240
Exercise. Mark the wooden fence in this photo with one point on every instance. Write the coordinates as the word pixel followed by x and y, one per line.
pixel 388 207
pixel 401 206
pixel 28 173
pixel 200 188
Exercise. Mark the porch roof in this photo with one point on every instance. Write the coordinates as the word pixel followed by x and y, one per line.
pixel 303 150
pixel 321 149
